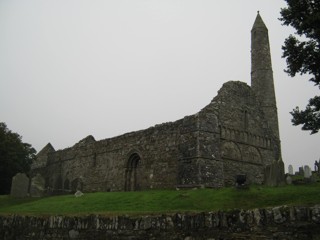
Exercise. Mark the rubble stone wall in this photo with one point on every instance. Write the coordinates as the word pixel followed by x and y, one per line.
pixel 228 137
pixel 273 223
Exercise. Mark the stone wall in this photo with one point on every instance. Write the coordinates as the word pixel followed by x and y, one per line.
pixel 228 137
pixel 111 164
pixel 247 144
pixel 274 223
pixel 162 156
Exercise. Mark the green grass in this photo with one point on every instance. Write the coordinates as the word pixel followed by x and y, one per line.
pixel 164 201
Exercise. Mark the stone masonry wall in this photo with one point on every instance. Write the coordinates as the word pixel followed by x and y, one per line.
pixel 101 166
pixel 228 137
pixel 247 145
pixel 163 156
pixel 275 223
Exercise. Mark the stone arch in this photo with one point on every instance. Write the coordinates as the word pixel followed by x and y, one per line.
pixel 131 176
pixel 252 154
pixel 77 184
pixel 231 150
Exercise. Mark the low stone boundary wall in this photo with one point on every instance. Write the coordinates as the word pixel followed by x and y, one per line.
pixel 273 223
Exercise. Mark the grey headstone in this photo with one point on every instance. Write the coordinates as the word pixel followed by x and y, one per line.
pixel 78 193
pixel 274 173
pixel 290 169
pixel 20 185
pixel 37 186
pixel 307 171
pixel 301 171
pixel 289 180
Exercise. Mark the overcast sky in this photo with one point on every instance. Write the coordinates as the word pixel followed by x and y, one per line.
pixel 72 68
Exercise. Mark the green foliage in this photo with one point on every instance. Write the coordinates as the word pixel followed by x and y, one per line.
pixel 304 56
pixel 164 201
pixel 15 156
pixel 310 117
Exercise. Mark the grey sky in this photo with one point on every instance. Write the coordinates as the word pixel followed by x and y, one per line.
pixel 71 68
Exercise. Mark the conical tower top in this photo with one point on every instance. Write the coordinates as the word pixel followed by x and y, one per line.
pixel 258 23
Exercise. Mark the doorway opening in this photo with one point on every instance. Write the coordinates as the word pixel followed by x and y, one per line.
pixel 131 179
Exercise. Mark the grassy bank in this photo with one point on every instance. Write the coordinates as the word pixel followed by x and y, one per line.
pixel 164 201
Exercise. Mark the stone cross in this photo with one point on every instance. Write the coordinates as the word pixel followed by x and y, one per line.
pixel 290 169
pixel 20 185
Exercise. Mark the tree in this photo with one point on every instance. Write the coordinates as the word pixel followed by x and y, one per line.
pixel 15 156
pixel 303 56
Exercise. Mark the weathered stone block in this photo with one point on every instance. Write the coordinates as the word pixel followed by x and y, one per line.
pixel 20 185
pixel 37 187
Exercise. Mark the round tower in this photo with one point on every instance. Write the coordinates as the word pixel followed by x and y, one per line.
pixel 262 74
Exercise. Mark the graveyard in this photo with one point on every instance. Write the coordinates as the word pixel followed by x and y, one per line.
pixel 29 196
pixel 166 201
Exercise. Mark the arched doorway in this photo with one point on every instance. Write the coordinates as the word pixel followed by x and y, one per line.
pixel 131 182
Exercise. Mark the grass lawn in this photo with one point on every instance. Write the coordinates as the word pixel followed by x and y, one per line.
pixel 164 201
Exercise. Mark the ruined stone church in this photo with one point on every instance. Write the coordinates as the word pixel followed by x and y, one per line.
pixel 236 133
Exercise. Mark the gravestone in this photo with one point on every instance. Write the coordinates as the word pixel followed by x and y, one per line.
pixel 78 194
pixel 289 180
pixel 290 170
pixel 20 185
pixel 301 171
pixel 37 186
pixel 307 171
pixel 274 174
pixel 317 166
